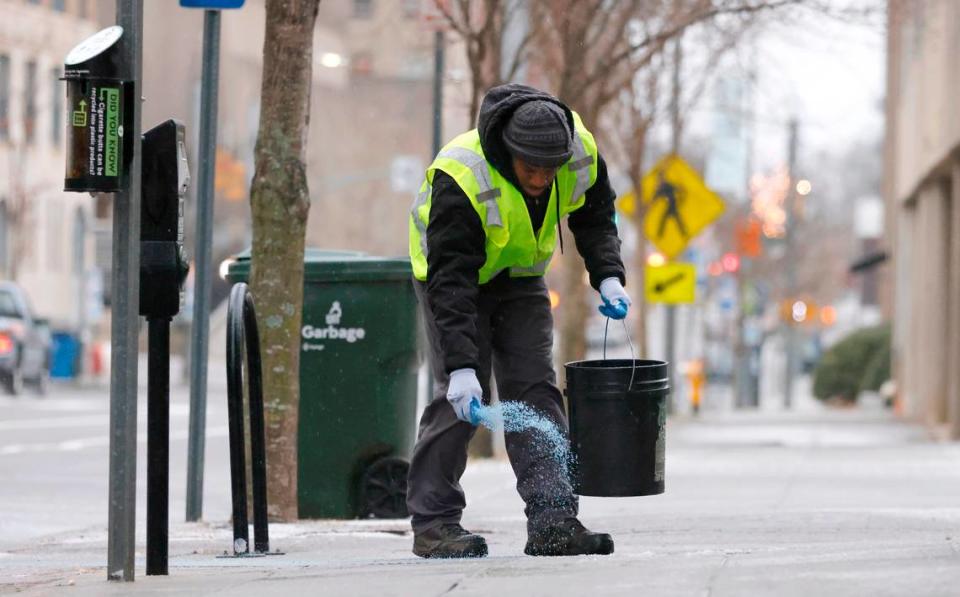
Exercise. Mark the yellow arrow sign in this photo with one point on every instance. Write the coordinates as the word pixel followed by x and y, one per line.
pixel 671 283
pixel 679 205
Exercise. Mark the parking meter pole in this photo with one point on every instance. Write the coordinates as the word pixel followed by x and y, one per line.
pixel 163 268
pixel 199 347
pixel 158 445
pixel 125 285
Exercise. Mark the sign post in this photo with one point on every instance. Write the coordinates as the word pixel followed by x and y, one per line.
pixel 679 206
pixel 121 531
pixel 200 337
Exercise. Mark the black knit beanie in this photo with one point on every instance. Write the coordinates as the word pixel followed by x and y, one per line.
pixel 538 134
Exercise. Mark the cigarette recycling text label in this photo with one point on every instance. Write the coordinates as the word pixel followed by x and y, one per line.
pixel 100 112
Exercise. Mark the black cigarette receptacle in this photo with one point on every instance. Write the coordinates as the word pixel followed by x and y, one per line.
pixel 97 97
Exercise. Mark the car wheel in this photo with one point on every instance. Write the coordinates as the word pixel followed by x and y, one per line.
pixel 13 382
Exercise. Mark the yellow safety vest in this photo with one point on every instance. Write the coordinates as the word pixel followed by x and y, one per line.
pixel 511 242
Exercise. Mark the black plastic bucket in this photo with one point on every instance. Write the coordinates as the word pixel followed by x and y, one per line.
pixel 618 426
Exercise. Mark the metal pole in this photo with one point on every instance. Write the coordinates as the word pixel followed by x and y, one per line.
pixel 438 66
pixel 789 266
pixel 200 339
pixel 158 445
pixel 124 318
pixel 671 331
pixel 438 56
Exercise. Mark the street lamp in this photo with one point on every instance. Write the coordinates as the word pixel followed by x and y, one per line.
pixel 799 311
pixel 331 60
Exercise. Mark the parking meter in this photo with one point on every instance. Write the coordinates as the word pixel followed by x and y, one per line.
pixel 97 96
pixel 165 178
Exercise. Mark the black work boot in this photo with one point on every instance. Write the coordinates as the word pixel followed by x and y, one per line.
pixel 449 541
pixel 567 538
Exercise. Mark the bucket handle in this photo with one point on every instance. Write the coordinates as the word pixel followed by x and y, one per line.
pixel 633 354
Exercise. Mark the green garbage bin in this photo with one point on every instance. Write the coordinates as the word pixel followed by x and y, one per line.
pixel 358 383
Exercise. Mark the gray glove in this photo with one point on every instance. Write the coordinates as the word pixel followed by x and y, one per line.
pixel 464 388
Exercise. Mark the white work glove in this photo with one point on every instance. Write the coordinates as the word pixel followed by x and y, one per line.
pixel 464 388
pixel 616 301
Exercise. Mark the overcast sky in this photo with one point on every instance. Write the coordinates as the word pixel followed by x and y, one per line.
pixel 830 75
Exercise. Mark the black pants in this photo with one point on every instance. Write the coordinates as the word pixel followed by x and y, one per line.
pixel 515 336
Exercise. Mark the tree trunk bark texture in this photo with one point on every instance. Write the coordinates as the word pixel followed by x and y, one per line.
pixel 280 202
pixel 575 311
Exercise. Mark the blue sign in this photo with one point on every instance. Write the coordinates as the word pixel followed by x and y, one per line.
pixel 211 4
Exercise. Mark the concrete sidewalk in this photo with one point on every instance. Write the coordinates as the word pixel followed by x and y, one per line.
pixel 833 503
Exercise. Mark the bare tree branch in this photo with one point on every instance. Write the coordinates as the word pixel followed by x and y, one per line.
pixel 659 39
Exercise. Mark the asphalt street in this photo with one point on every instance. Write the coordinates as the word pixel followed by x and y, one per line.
pixel 54 459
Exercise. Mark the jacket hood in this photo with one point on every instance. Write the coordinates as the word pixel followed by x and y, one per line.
pixel 498 106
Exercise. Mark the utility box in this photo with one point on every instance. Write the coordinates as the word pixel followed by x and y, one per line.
pixel 358 383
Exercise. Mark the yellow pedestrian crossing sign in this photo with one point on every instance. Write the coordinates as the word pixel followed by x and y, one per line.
pixel 670 283
pixel 679 205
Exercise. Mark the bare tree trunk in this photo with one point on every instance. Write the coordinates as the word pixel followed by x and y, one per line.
pixel 280 202
pixel 576 310
pixel 638 275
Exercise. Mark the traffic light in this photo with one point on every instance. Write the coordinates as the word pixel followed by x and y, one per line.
pixel 730 262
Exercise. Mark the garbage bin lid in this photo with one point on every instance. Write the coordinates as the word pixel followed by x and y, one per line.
pixel 330 265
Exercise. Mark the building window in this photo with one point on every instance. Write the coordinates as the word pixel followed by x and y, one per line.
pixel 362 9
pixel 30 102
pixel 4 97
pixel 56 111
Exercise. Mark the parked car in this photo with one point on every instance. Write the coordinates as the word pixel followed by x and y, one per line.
pixel 24 342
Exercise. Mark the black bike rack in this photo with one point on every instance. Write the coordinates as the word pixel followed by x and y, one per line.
pixel 242 330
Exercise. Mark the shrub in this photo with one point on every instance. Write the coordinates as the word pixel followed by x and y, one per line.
pixel 843 370
pixel 878 369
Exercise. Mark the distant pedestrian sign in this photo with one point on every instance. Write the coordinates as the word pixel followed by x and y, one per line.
pixel 671 283
pixel 212 4
pixel 679 205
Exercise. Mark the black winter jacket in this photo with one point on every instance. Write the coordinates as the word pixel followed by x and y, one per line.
pixel 456 240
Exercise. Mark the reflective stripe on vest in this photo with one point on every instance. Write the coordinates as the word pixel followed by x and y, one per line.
pixel 419 202
pixel 580 166
pixel 478 165
pixel 537 269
